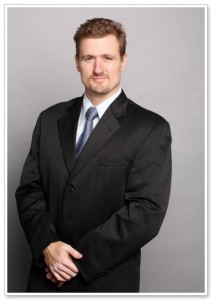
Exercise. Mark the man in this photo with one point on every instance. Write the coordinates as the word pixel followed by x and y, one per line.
pixel 88 201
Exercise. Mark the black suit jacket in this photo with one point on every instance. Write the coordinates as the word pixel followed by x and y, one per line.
pixel 107 204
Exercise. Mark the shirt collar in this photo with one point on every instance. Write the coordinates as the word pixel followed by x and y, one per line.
pixel 101 108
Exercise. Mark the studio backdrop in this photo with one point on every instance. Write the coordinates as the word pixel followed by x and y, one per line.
pixel 165 74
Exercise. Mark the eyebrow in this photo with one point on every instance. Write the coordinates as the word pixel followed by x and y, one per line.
pixel 93 56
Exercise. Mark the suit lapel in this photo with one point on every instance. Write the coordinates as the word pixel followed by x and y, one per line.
pixel 104 130
pixel 67 126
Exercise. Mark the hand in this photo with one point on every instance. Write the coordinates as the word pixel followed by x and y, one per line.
pixel 58 258
pixel 50 276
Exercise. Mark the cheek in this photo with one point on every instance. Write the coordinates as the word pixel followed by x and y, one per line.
pixel 115 73
pixel 85 73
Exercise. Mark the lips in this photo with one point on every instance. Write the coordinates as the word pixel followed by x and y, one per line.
pixel 99 78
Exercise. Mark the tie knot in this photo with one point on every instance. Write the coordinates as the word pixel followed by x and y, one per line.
pixel 91 113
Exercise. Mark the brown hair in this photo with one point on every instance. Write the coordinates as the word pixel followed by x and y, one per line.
pixel 100 27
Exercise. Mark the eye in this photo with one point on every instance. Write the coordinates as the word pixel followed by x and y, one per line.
pixel 108 58
pixel 88 59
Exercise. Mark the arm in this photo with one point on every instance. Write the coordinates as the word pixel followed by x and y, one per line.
pixel 35 220
pixel 31 202
pixel 139 220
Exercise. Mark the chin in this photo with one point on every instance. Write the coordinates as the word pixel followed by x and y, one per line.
pixel 100 90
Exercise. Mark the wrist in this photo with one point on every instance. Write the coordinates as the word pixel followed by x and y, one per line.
pixel 47 249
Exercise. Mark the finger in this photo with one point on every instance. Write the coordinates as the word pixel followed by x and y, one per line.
pixel 73 252
pixel 66 266
pixel 61 273
pixel 63 276
pixel 49 275
pixel 69 267
pixel 56 273
pixel 65 273
pixel 58 277
pixel 60 284
pixel 70 270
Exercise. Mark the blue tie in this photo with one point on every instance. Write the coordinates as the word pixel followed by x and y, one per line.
pixel 90 115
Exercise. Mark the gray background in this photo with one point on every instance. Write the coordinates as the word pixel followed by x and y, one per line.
pixel 165 73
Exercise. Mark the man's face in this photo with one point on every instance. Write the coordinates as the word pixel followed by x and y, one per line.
pixel 100 66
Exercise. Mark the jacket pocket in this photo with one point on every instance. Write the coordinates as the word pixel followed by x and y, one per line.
pixel 112 162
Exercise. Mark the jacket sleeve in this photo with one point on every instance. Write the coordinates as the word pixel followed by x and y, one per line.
pixel 32 204
pixel 139 220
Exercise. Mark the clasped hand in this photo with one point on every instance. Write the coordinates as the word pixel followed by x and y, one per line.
pixel 59 264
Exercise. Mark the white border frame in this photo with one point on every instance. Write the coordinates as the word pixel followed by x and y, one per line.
pixel 205 6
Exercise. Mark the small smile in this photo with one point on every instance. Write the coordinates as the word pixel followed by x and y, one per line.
pixel 99 78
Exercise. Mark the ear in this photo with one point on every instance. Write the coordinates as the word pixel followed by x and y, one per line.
pixel 124 62
pixel 77 63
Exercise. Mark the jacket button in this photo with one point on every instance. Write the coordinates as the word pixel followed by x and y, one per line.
pixel 71 188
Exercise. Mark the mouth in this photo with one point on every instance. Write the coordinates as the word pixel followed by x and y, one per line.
pixel 99 78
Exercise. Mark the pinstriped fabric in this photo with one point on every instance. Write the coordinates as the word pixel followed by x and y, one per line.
pixel 90 115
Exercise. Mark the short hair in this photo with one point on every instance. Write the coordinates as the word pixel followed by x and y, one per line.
pixel 100 27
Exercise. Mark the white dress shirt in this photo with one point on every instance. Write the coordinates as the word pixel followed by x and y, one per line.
pixel 101 108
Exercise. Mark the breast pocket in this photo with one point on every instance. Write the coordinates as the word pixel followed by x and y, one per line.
pixel 113 174
pixel 113 162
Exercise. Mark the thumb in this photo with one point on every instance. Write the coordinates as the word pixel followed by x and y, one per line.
pixel 73 252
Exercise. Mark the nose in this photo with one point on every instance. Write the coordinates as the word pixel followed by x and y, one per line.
pixel 98 66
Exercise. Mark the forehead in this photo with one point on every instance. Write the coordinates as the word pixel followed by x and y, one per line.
pixel 95 46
